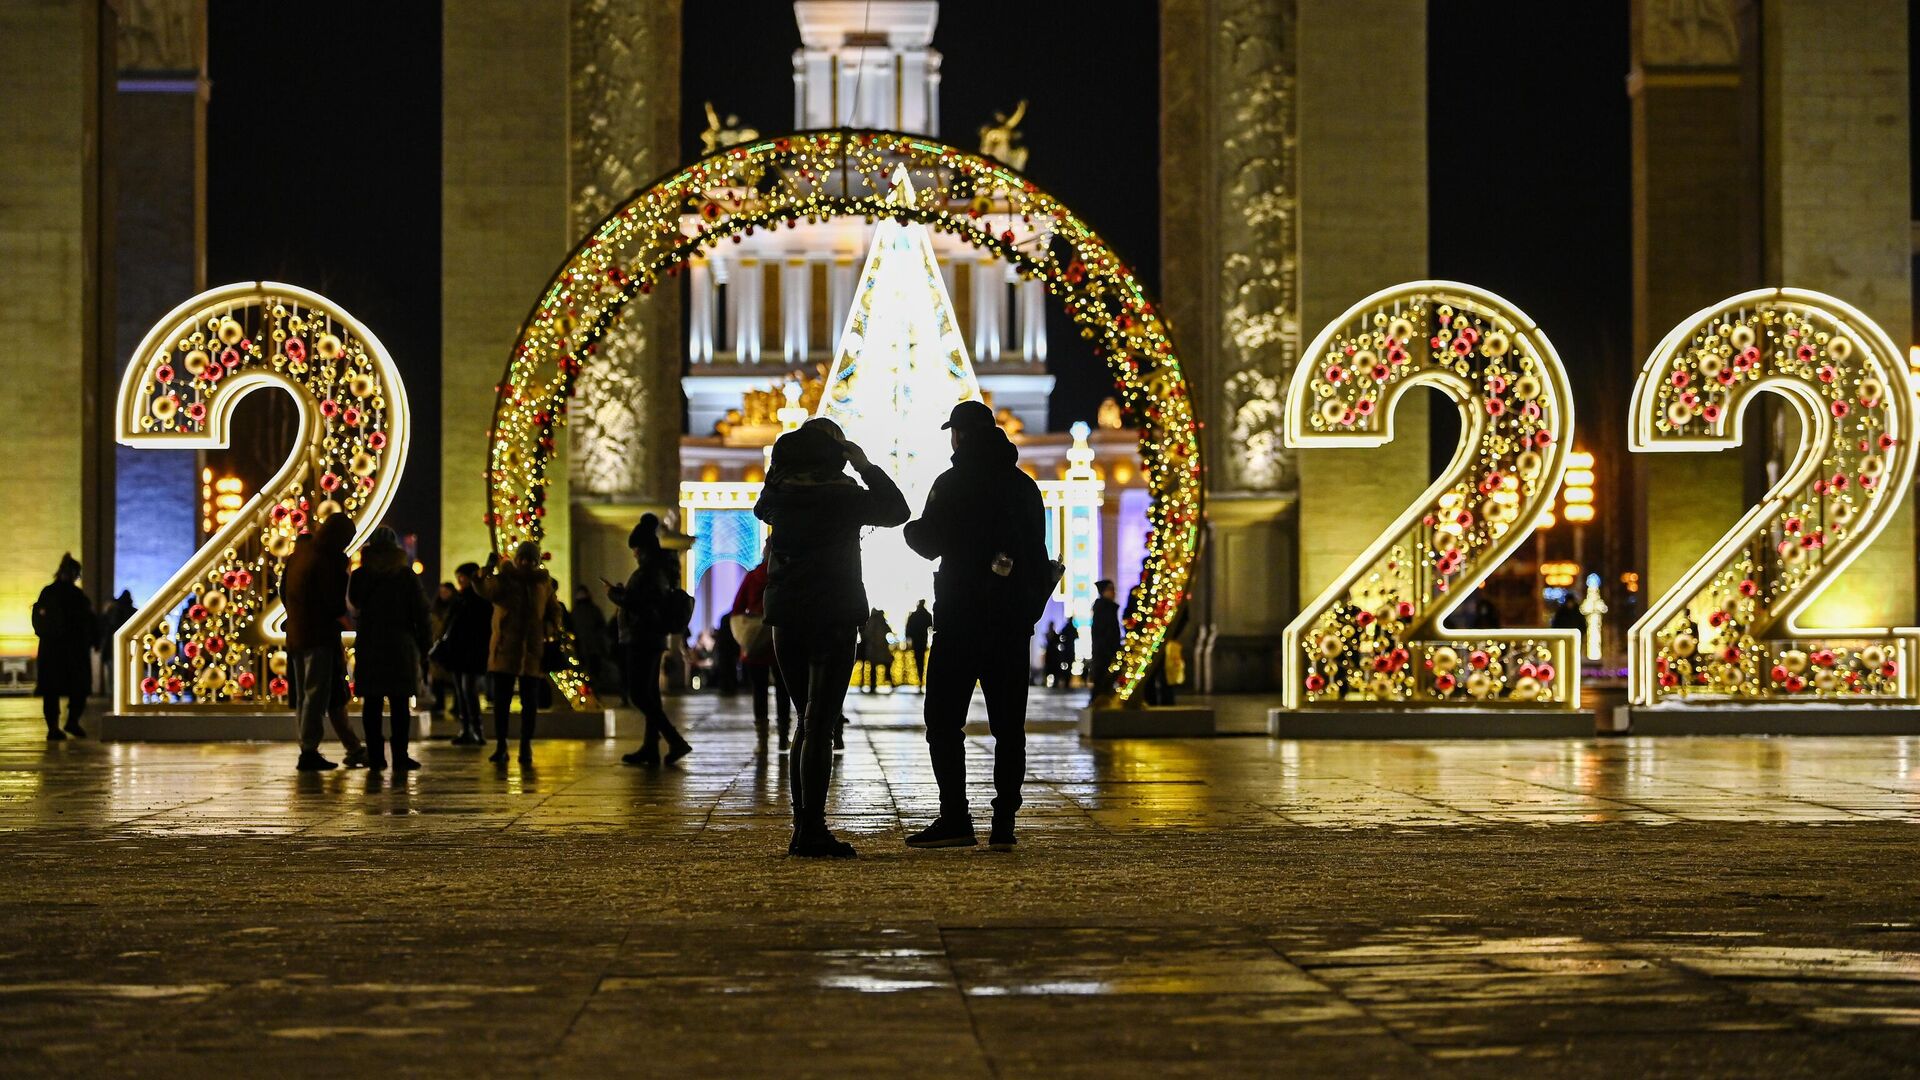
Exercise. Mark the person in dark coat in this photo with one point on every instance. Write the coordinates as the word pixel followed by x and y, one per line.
pixel 1050 657
pixel 756 656
pixel 390 624
pixel 816 601
pixel 985 522
pixel 118 611
pixel 64 620
pixel 462 651
pixel 877 651
pixel 642 603
pixel 1106 640
pixel 590 635
pixel 314 589
pixel 1069 646
pixel 919 630
pixel 526 615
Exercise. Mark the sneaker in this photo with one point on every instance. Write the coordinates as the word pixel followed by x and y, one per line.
pixel 1001 838
pixel 945 832
pixel 676 753
pixel 645 757
pixel 311 761
pixel 821 845
pixel 74 729
pixel 356 758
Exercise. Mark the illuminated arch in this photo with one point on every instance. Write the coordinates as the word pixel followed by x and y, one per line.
pixel 815 175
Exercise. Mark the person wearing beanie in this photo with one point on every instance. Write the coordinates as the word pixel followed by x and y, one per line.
pixel 646 622
pixel 390 635
pixel 64 619
pixel 815 600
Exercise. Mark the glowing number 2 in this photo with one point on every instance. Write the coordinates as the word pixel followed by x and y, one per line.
pixel 1377 634
pixel 1728 628
pixel 209 637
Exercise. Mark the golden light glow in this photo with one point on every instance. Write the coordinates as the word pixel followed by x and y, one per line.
pixel 776 181
pixel 1728 628
pixel 1378 634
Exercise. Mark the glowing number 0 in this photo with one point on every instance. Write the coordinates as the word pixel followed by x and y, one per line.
pixel 1728 628
pixel 1377 634
pixel 208 638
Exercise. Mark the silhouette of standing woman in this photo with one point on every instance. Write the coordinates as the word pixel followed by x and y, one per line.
pixel 815 601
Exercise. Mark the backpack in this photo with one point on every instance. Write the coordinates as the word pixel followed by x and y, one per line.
pixel 675 614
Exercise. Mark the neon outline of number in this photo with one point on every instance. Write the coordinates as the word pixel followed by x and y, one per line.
pixel 1654 392
pixel 160 347
pixel 1425 630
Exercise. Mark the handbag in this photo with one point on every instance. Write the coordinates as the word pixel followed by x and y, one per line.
pixel 756 643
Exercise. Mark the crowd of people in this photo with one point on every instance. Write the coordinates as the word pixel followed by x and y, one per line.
pixel 798 626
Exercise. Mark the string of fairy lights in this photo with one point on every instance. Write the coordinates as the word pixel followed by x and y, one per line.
pixel 811 177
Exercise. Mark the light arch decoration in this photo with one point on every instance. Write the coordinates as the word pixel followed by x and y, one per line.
pixel 1728 629
pixel 1376 637
pixel 211 637
pixel 811 176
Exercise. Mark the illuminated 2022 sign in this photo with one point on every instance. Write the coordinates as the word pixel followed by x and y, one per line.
pixel 210 637
pixel 1377 635
pixel 1728 629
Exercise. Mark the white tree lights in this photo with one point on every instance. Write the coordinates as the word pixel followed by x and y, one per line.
pixel 1377 635
pixel 209 638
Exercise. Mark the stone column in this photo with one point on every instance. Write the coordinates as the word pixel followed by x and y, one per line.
pixel 1838 217
pixel 624 131
pixel 505 226
pixel 1696 232
pixel 51 88
pixel 157 150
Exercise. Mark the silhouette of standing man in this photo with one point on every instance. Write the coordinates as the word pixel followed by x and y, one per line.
pixel 985 523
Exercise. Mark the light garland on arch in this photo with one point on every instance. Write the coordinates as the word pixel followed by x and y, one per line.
pixel 813 176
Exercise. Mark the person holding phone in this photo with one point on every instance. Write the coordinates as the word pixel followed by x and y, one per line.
pixel 815 600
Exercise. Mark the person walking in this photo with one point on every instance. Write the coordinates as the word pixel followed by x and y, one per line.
pixel 64 620
pixel 919 629
pixel 462 651
pixel 1069 647
pixel 748 617
pixel 985 522
pixel 118 611
pixel 644 629
pixel 313 587
pixel 815 600
pixel 526 614
pixel 1106 640
pixel 1050 657
pixel 876 650
pixel 390 634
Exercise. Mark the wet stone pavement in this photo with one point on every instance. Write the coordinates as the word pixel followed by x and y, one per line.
pixel 1229 907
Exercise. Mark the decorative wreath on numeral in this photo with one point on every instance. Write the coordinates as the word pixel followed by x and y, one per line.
pixel 1375 635
pixel 1727 628
pixel 812 176
pixel 206 637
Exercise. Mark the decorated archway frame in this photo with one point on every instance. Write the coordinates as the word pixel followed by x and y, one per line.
pixel 813 176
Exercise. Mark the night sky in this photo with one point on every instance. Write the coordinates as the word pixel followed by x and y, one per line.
pixel 325 172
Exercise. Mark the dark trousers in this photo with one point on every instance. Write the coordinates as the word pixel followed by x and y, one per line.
pixel 762 679
pixel 466 701
pixel 402 723
pixel 877 668
pixel 817 663
pixel 1100 673
pixel 643 689
pixel 50 708
pixel 504 684
pixel 920 662
pixel 996 661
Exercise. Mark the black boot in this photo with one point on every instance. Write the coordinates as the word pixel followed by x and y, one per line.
pixel 499 755
pixel 376 743
pixel 401 762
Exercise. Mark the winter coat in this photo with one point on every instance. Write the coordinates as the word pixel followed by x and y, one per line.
pixel 874 648
pixel 526 613
pixel 64 619
pixel 468 633
pixel 314 589
pixel 1106 627
pixel 641 599
pixel 919 626
pixel 813 555
pixel 751 599
pixel 981 507
pixel 390 625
